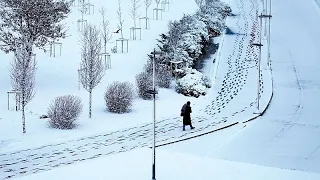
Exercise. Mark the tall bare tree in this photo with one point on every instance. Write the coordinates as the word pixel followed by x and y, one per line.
pixel 134 11
pixel 105 33
pixel 147 4
pixel 120 18
pixel 22 73
pixel 23 25
pixel 91 63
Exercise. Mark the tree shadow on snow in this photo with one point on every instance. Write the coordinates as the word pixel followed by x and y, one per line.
pixel 231 32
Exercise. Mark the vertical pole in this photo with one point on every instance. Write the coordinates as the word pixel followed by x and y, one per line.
pixel 79 79
pixel 54 49
pixel 269 34
pixel 16 101
pixel 154 118
pixel 146 17
pixel 259 61
pixel 265 21
pixel 8 101
pixel 60 49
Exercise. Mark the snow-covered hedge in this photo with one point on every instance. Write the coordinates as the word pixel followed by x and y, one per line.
pixel 64 111
pixel 186 41
pixel 119 97
pixel 194 83
pixel 187 38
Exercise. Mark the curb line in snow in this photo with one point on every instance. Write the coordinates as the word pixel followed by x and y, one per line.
pixel 180 140
pixel 216 63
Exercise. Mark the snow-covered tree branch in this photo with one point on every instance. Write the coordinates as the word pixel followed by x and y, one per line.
pixel 134 11
pixel 91 63
pixel 120 18
pixel 147 4
pixel 39 21
pixel 157 2
pixel 105 33
pixel 200 3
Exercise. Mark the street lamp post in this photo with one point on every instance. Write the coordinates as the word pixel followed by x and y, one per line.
pixel 265 22
pixel 266 16
pixel 269 33
pixel 154 92
pixel 259 64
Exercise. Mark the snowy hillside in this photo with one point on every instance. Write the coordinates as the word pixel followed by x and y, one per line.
pixel 257 121
pixel 56 76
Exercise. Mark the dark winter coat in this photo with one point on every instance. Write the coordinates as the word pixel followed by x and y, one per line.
pixel 187 116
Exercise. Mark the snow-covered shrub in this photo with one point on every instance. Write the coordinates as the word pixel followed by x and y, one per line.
pixel 213 15
pixel 64 110
pixel 196 35
pixel 194 83
pixel 144 83
pixel 119 97
pixel 214 21
pixel 163 74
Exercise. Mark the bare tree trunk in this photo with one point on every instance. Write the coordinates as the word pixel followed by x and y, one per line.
pixel 23 119
pixel 90 103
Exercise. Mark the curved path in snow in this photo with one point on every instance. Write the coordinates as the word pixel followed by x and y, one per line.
pixel 287 135
pixel 232 100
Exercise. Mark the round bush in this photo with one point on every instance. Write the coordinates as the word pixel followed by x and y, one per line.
pixel 63 111
pixel 163 73
pixel 144 83
pixel 119 96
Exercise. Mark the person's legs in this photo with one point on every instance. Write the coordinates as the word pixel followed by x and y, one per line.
pixel 184 127
pixel 191 126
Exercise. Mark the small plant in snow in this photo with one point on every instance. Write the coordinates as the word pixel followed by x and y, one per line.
pixel 120 18
pixel 64 111
pixel 119 97
pixel 105 32
pixel 144 83
pixel 135 5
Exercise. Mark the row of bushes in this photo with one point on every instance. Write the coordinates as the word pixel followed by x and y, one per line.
pixel 187 38
pixel 64 110
pixel 186 41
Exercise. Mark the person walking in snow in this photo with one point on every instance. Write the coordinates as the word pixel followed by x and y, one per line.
pixel 186 113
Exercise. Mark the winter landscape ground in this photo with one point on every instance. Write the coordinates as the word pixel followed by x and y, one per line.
pixel 281 144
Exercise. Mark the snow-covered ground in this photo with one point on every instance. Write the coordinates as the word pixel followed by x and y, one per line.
pixel 170 166
pixel 58 76
pixel 284 138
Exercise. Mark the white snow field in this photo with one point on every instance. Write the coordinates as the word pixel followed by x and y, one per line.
pixel 287 135
pixel 281 144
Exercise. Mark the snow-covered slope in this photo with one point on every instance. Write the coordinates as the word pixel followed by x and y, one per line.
pixel 58 76
pixel 287 135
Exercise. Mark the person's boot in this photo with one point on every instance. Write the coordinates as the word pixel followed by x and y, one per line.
pixel 192 127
